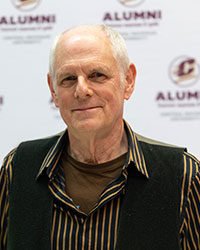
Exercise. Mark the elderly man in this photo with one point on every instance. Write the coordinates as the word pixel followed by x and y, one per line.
pixel 97 185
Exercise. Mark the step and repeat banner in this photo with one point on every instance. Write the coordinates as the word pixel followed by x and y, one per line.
pixel 163 40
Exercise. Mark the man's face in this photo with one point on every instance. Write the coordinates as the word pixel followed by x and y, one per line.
pixel 88 89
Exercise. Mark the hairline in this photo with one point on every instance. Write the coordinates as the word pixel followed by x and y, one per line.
pixel 119 52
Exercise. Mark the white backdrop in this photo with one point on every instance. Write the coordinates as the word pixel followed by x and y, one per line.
pixel 163 40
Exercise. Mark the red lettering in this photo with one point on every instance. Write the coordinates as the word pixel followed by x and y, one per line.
pixel 160 96
pixel 107 17
pixel 117 17
pixel 3 20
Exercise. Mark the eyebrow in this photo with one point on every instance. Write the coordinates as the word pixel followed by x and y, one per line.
pixel 99 68
pixel 69 69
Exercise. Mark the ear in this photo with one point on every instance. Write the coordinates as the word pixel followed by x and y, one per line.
pixel 52 90
pixel 130 81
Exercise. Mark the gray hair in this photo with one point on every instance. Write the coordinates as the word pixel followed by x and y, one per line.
pixel 118 47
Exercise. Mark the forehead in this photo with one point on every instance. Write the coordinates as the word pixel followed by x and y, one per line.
pixel 76 47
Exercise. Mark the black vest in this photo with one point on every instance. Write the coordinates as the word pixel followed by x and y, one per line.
pixel 150 212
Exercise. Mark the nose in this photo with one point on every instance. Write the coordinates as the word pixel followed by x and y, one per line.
pixel 83 90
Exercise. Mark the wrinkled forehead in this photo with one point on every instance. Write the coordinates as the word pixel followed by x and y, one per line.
pixel 83 32
pixel 79 44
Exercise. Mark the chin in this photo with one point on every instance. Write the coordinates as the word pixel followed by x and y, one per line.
pixel 86 126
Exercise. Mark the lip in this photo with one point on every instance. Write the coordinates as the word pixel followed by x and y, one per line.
pixel 86 109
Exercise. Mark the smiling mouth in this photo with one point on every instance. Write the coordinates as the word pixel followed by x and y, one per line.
pixel 86 109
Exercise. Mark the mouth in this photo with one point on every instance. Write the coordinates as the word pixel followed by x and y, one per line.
pixel 85 109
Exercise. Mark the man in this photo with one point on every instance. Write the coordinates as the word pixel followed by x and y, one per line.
pixel 97 185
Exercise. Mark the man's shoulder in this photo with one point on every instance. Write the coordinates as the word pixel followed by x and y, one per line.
pixel 162 154
pixel 155 142
pixel 35 144
pixel 190 164
pixel 146 140
pixel 38 146
pixel 164 146
pixel 42 140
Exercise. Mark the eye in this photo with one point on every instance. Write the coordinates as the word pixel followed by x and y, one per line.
pixel 69 80
pixel 97 76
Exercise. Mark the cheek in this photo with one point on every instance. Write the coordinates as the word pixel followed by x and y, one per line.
pixel 115 102
pixel 63 98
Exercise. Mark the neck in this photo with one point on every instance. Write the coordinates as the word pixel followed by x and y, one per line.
pixel 97 148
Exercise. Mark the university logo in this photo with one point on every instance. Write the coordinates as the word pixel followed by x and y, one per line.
pixel 184 71
pixel 131 3
pixel 25 5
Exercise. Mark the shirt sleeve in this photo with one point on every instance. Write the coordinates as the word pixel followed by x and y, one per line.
pixel 5 180
pixel 190 203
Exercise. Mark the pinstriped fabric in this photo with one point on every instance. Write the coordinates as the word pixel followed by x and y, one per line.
pixel 73 230
pixel 135 153
pixel 96 231
pixel 190 203
pixel 5 177
pixel 53 156
pixel 99 227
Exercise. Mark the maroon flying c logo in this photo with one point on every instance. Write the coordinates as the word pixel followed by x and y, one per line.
pixel 184 71
pixel 131 3
pixel 25 5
